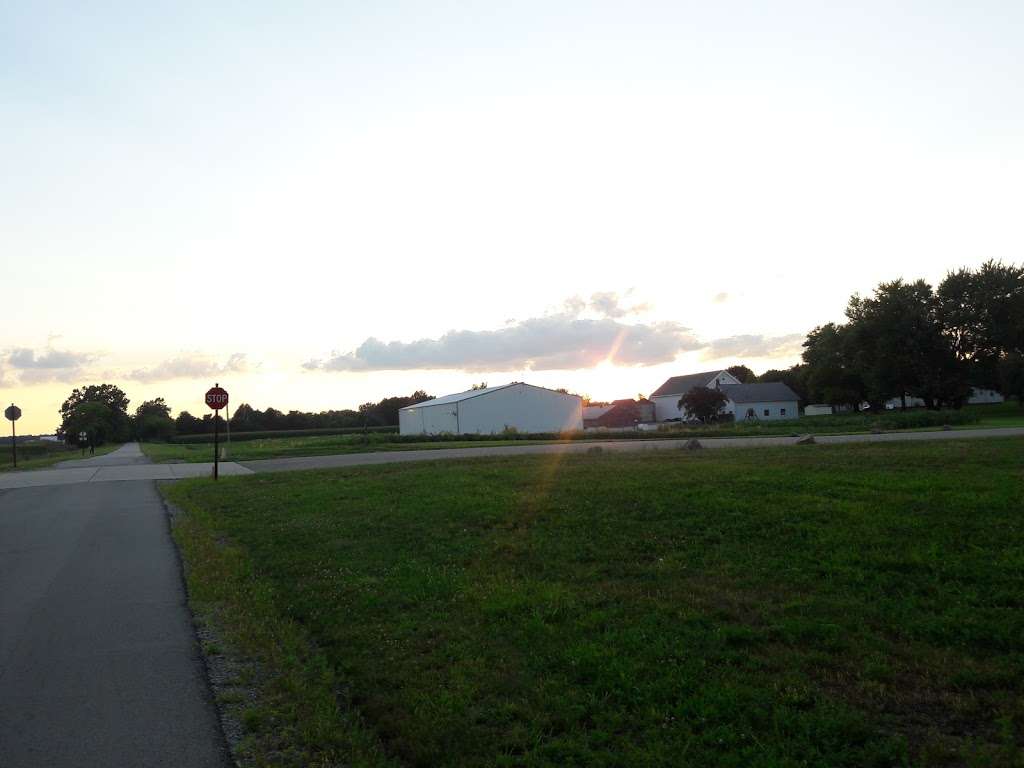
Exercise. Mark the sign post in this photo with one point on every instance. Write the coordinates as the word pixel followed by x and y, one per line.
pixel 13 413
pixel 216 398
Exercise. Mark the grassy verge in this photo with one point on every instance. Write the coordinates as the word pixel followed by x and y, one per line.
pixel 319 445
pixel 835 605
pixel 43 453
pixel 276 448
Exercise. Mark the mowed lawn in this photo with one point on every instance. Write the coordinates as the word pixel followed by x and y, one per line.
pixel 816 606
pixel 308 445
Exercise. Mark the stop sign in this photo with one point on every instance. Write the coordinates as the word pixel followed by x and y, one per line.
pixel 13 412
pixel 217 398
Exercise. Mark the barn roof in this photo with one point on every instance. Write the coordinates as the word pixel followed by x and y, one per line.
pixel 445 399
pixel 767 392
pixel 680 385
pixel 460 396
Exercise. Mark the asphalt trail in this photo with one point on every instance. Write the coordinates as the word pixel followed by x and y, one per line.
pixel 99 664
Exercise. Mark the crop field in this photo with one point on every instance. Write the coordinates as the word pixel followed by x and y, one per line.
pixel 268 447
pixel 858 605
pixel 39 454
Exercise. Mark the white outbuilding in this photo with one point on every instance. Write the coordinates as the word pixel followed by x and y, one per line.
pixel 489 411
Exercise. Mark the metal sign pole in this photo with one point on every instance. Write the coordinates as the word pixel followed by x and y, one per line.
pixel 216 442
pixel 14 445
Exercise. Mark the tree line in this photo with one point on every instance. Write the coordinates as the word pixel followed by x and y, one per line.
pixel 99 414
pixel 908 339
pixel 245 418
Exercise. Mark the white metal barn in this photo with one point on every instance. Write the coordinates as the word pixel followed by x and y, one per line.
pixel 518 406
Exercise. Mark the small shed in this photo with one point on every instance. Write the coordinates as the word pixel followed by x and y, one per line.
pixel 818 409
pixel 492 410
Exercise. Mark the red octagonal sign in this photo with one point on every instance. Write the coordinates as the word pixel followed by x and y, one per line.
pixel 217 398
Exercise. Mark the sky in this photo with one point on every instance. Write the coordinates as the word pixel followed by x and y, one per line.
pixel 322 204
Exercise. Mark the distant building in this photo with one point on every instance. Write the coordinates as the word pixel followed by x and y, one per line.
pixel 621 414
pixel 818 409
pixel 978 396
pixel 666 397
pixel 769 400
pixel 489 411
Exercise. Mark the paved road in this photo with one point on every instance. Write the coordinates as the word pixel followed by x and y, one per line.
pixel 660 444
pixel 98 658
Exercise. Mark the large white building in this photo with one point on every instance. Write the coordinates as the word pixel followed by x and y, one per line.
pixel 518 406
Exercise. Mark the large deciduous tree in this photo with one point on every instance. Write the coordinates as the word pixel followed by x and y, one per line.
pixel 113 424
pixel 153 420
pixel 742 373
pixel 982 315
pixel 899 347
pixel 703 403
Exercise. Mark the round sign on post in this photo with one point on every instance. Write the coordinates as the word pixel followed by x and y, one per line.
pixel 13 413
pixel 216 398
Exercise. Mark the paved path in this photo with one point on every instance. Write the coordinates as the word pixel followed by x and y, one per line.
pixel 582 446
pixel 126 463
pixel 129 454
pixel 98 658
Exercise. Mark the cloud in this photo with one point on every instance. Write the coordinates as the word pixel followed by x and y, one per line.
pixel 561 341
pixel 190 367
pixel 609 304
pixel 720 298
pixel 49 365
pixel 755 345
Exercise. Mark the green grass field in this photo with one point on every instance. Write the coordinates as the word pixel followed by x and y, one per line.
pixel 319 445
pixel 282 447
pixel 40 454
pixel 822 606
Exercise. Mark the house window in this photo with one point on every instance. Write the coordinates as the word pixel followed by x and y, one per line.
pixel 766 411
pixel 782 411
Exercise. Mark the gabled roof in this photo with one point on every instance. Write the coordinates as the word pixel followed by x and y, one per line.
pixel 680 385
pixel 444 400
pixel 460 396
pixel 768 392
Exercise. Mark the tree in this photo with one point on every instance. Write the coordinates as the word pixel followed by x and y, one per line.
pixel 899 348
pixel 481 385
pixel 1011 370
pixel 982 315
pixel 832 373
pixel 744 374
pixel 116 425
pixel 94 419
pixel 153 420
pixel 703 403
pixel 187 424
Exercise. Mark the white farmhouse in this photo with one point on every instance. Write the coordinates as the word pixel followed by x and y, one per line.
pixel 666 397
pixel 769 400
pixel 488 411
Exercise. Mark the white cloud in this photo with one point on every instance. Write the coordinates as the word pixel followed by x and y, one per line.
pixel 755 345
pixel 561 341
pixel 190 367
pixel 721 298
pixel 48 365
